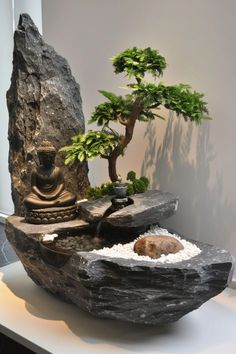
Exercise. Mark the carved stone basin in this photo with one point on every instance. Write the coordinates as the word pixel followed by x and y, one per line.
pixel 129 290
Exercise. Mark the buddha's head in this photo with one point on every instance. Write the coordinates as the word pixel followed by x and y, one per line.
pixel 46 154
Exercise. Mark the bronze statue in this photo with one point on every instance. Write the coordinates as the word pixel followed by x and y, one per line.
pixel 48 201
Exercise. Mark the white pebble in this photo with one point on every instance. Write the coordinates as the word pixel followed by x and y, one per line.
pixel 126 251
pixel 49 237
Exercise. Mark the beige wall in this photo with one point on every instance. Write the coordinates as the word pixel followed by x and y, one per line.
pixel 197 37
pixel 6 45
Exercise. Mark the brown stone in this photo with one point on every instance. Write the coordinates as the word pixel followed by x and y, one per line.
pixel 155 246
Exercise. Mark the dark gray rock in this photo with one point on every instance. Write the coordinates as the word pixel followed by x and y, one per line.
pixel 92 211
pixel 44 103
pixel 148 208
pixel 129 290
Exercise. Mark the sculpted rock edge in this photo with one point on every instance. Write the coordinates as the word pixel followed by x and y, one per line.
pixel 128 290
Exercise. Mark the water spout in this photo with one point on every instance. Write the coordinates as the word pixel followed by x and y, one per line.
pixel 119 201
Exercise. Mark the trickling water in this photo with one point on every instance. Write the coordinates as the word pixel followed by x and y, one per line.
pixel 98 228
pixel 108 212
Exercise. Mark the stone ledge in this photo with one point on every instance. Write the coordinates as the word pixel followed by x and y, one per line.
pixel 20 225
pixel 129 290
pixel 148 208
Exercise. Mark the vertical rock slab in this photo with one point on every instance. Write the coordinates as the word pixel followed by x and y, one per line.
pixel 44 103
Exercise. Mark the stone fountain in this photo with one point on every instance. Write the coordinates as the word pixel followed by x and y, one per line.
pixel 129 289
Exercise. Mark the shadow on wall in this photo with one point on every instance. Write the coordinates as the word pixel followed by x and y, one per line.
pixel 203 212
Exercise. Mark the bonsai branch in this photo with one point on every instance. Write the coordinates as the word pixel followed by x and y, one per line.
pixel 121 120
pixel 143 103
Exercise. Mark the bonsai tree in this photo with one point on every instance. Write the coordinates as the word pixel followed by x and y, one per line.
pixel 141 104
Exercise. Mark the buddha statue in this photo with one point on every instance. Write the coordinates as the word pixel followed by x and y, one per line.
pixel 48 201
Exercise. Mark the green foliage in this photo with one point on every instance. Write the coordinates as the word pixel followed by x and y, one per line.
pixel 179 98
pixel 150 94
pixel 103 114
pixel 94 193
pixel 131 175
pixel 134 185
pixel 107 188
pixel 108 111
pixel 137 62
pixel 183 101
pixel 141 104
pixel 90 145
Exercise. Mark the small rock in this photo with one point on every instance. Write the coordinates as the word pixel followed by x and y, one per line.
pixel 155 246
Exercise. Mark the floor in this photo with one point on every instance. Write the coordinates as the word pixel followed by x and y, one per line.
pixel 9 346
pixel 7 255
pixel 45 324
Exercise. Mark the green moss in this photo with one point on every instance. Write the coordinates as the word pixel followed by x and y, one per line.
pixel 145 180
pixel 94 193
pixel 139 186
pixel 130 188
pixel 134 185
pixel 131 175
pixel 107 188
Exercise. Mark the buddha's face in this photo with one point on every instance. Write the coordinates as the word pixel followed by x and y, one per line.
pixel 46 159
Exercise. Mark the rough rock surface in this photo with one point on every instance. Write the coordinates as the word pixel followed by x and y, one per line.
pixel 154 247
pixel 148 208
pixel 129 290
pixel 44 103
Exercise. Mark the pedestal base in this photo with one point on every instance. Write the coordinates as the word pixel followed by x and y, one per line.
pixel 51 215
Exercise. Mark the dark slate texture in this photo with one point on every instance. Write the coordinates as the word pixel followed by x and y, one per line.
pixel 129 290
pixel 148 208
pixel 44 103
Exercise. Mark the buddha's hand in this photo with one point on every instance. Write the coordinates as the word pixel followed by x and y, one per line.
pixel 46 197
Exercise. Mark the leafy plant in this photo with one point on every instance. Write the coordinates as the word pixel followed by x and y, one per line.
pixel 145 181
pixel 131 175
pixel 137 62
pixel 90 145
pixel 133 184
pixel 141 104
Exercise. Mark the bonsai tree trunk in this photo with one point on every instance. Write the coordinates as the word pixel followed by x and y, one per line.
pixel 112 168
pixel 129 124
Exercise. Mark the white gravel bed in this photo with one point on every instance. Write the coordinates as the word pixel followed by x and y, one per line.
pixel 126 251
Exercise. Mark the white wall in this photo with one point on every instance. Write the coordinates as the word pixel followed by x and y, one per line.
pixel 198 40
pixel 31 7
pixel 6 45
pixel 9 16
